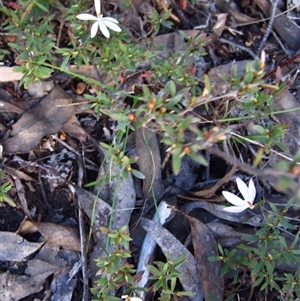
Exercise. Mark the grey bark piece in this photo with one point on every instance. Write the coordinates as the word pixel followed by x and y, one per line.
pixel 171 246
pixel 98 211
pixel 117 192
pixel 162 215
pixel 244 217
pixel 284 26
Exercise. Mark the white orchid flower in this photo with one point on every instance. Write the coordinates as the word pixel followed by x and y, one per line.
pixel 248 194
pixel 102 23
pixel 127 298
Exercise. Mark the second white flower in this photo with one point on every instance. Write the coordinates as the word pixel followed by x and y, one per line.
pixel 248 193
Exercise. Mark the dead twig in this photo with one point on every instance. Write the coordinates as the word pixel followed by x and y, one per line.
pixel 225 41
pixel 61 26
pixel 210 10
pixel 279 41
pixel 85 277
pixel 216 199
pixel 269 28
pixel 54 137
pixel 208 193
pixel 45 203
pixel 21 193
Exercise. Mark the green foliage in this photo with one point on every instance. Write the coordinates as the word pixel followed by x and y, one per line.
pixel 157 21
pixel 4 189
pixel 114 270
pixel 264 251
pixel 123 161
pixel 166 109
pixel 167 104
pixel 166 277
pixel 37 38
pixel 270 136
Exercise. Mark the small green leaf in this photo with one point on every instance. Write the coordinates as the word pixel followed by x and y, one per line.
pixel 176 163
pixel 137 174
pixel 198 158
pixel 179 260
pixel 172 88
pixel 257 267
pixel 154 270
pixel 189 294
pixel 274 208
pixel 258 281
pixel 248 78
pixel 173 284
pixel 9 201
pixel 104 230
pixel 16 46
pixel 42 7
pixel 259 129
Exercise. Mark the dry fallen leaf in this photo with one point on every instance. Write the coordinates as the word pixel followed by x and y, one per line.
pixel 96 209
pixel 64 279
pixel 15 287
pixel 5 106
pixel 225 235
pixel 220 25
pixel 7 74
pixel 46 118
pixel 210 271
pixel 14 247
pixel 74 129
pixel 57 235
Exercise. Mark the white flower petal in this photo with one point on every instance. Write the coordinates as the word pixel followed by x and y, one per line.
pixel 235 209
pixel 243 188
pixel 113 26
pixel 111 19
pixel 103 28
pixel 127 298
pixel 86 17
pixel 98 7
pixel 233 199
pixel 251 191
pixel 94 29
